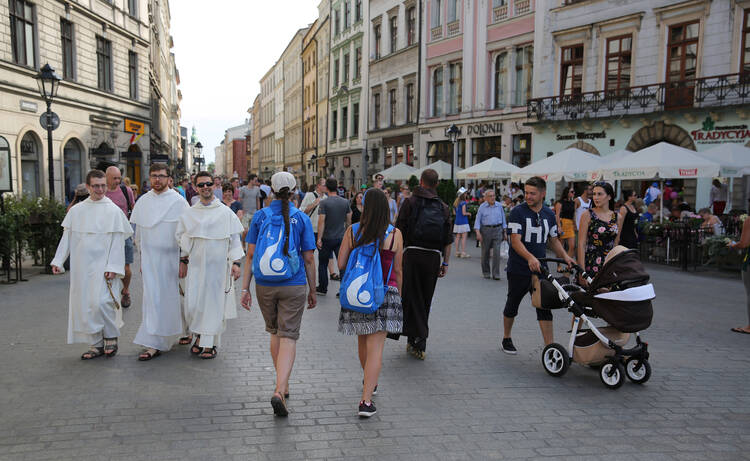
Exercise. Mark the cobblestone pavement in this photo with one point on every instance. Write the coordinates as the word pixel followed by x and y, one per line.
pixel 467 400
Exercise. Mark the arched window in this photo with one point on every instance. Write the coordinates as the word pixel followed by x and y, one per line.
pixel 73 168
pixel 6 172
pixel 437 92
pixel 500 80
pixel 30 152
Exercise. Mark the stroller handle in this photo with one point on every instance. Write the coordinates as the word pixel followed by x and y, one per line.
pixel 575 267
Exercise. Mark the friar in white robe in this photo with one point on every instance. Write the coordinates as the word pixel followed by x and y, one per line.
pixel 209 237
pixel 94 237
pixel 156 215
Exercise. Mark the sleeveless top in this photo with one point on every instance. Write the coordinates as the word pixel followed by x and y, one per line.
pixel 579 212
pixel 461 218
pixel 628 236
pixel 568 209
pixel 386 258
pixel 600 239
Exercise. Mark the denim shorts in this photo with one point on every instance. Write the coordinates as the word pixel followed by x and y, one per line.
pixel 129 250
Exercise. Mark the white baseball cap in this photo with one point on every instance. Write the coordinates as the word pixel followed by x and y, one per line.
pixel 281 180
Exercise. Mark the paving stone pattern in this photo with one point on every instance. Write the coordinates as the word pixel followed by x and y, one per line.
pixel 467 400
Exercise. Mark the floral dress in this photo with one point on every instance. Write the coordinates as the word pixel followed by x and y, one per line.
pixel 600 239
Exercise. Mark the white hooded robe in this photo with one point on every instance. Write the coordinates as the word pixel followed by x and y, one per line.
pixel 94 237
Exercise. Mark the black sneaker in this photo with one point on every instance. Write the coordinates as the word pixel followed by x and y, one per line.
pixel 279 406
pixel 508 347
pixel 320 291
pixel 365 410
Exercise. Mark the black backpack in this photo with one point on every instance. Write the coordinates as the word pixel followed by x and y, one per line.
pixel 428 223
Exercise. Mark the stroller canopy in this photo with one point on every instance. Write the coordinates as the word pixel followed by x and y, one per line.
pixel 622 269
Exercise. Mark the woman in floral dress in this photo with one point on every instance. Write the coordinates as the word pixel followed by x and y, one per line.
pixel 601 225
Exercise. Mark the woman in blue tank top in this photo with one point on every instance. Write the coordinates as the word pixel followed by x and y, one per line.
pixel 461 225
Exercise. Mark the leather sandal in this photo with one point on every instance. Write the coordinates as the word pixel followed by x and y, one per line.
pixel 92 353
pixel 110 350
pixel 185 340
pixel 208 353
pixel 196 348
pixel 146 355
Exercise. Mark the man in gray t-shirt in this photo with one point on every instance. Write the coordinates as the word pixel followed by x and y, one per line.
pixel 333 218
pixel 250 198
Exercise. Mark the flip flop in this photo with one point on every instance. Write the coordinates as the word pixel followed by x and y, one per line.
pixel 740 330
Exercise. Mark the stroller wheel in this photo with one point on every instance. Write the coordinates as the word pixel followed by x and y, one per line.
pixel 639 375
pixel 555 359
pixel 612 374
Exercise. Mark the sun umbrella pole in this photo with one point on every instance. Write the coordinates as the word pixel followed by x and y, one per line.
pixel 731 195
pixel 661 203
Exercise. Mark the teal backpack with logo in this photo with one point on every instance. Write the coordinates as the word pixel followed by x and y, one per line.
pixel 363 288
pixel 270 264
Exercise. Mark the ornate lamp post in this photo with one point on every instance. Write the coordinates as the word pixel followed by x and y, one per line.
pixel 198 157
pixel 49 83
pixel 452 132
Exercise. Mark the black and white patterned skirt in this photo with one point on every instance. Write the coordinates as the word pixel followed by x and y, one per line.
pixel 389 317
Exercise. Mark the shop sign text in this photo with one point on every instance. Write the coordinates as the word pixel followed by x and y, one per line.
pixel 582 135
pixel 484 129
pixel 710 133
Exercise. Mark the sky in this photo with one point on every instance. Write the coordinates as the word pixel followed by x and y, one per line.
pixel 222 49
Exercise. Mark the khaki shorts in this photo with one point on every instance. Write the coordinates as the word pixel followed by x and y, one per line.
pixel 246 218
pixel 282 308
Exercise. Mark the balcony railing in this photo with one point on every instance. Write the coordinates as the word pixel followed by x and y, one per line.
pixel 453 28
pixel 500 13
pixel 716 91
pixel 522 7
pixel 436 32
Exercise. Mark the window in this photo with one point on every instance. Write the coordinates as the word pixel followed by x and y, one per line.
pixel 337 22
pixel 392 107
pixel 498 3
pixel 436 17
pixel 346 69
pixel 133 8
pixel 334 127
pixel 22 33
pixel 394 33
pixel 571 70
pixel 133 74
pixel 376 31
pixel 452 11
pixel 618 64
pixel 454 87
pixel 376 111
pixel 104 63
pixel 358 68
pixel 358 10
pixel 66 36
pixel 745 51
pixel 347 14
pixel 410 103
pixel 344 120
pixel 524 65
pixel 682 52
pixel 501 78
pixel 336 73
pixel 437 92
pixel 355 119
pixel 411 26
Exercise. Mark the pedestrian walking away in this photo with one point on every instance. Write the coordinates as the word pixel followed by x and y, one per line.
pixel 371 328
pixel 94 237
pixel 424 222
pixel 334 217
pixel 122 196
pixel 565 210
pixel 461 223
pixel 156 215
pixel 280 253
pixel 531 225
pixel 490 226
pixel 209 237
pixel 627 220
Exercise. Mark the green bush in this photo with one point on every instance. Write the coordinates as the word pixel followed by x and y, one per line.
pixel 446 190
pixel 413 182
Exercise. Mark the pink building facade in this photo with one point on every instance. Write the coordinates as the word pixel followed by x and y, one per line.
pixel 476 72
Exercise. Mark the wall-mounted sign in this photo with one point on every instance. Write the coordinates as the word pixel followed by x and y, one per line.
pixel 137 128
pixel 582 135
pixel 483 129
pixel 29 106
pixel 347 161
pixel 710 133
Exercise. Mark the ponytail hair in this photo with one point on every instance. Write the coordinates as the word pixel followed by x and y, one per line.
pixel 283 195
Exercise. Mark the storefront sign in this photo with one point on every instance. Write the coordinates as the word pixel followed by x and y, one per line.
pixel 582 135
pixel 710 133
pixel 29 106
pixel 688 172
pixel 484 129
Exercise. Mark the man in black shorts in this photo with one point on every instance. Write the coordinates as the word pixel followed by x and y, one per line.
pixel 530 226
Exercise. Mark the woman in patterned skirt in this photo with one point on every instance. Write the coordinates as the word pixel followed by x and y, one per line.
pixel 371 329
pixel 600 225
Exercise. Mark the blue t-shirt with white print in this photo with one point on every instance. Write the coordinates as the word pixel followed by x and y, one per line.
pixel 300 224
pixel 535 229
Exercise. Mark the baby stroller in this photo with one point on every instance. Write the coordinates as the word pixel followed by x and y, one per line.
pixel 621 296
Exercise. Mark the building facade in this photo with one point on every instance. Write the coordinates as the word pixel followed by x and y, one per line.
pixel 101 51
pixel 626 75
pixel 267 124
pixel 235 150
pixel 293 101
pixel 347 97
pixel 476 73
pixel 393 83
pixel 253 162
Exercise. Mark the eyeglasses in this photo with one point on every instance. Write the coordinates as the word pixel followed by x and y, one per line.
pixel 201 185
pixel 158 176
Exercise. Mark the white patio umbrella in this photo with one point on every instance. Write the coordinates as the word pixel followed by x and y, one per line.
pixel 596 173
pixel 663 161
pixel 491 169
pixel 398 172
pixel 734 160
pixel 570 165
pixel 443 169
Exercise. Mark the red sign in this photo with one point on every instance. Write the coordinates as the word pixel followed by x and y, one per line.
pixel 690 172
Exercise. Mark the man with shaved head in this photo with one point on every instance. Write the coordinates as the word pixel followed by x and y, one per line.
pixel 122 196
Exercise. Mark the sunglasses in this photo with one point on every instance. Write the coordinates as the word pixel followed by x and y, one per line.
pixel 201 185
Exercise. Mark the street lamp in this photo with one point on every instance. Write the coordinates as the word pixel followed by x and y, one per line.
pixel 198 157
pixel 452 132
pixel 49 83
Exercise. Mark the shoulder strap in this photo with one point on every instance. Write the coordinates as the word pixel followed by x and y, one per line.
pixel 390 230
pixel 127 197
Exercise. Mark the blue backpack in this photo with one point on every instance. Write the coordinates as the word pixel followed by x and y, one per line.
pixel 270 264
pixel 362 288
